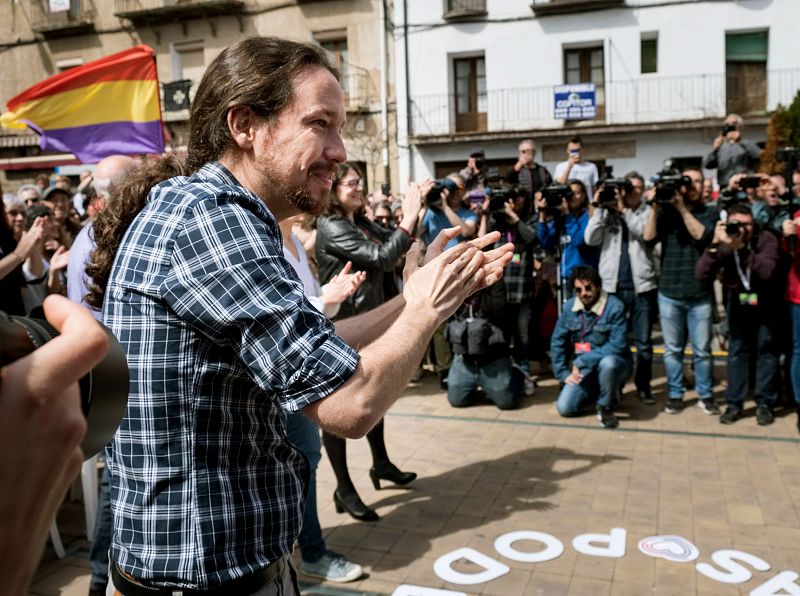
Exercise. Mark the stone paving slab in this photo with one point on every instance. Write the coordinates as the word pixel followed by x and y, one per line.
pixel 484 473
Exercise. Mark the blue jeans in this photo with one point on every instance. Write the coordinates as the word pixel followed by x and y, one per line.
pixel 501 381
pixel 753 332
pixel 600 386
pixel 641 312
pixel 304 435
pixel 795 313
pixel 101 541
pixel 676 317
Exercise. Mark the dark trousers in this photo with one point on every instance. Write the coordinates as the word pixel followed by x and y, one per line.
pixel 753 335
pixel 641 311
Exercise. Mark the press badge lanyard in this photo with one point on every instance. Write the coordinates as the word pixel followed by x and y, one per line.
pixel 586 331
pixel 743 275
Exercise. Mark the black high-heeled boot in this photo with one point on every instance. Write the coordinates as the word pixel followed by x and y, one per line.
pixel 353 504
pixel 390 472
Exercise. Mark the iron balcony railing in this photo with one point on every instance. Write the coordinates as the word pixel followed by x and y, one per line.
pixel 455 9
pixel 80 15
pixel 155 9
pixel 637 101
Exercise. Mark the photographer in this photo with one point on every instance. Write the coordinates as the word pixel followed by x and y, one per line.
pixel 684 225
pixel 575 168
pixel 589 349
pixel 474 173
pixel 565 226
pixel 478 335
pixel 527 175
pixel 509 213
pixel 748 259
pixel 627 265
pixel 444 208
pixel 731 154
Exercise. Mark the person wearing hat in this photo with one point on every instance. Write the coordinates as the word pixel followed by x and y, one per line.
pixel 59 201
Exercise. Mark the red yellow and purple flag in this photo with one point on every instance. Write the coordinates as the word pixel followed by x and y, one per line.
pixel 106 107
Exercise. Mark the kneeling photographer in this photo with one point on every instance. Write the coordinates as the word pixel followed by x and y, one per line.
pixel 563 216
pixel 684 225
pixel 508 211
pixel 478 335
pixel 627 265
pixel 748 258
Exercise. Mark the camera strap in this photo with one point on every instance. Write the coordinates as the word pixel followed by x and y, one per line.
pixel 743 275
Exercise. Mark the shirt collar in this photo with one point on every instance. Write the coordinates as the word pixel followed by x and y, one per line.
pixel 597 308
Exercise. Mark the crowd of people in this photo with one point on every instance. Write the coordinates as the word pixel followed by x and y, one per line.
pixel 262 297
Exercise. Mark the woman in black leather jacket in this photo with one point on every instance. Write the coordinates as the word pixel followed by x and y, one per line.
pixel 345 234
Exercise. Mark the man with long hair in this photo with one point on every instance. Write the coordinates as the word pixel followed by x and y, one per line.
pixel 207 493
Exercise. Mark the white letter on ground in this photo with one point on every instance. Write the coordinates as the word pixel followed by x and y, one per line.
pixel 492 569
pixel 614 539
pixel 553 547
pixel 785 580
pixel 736 574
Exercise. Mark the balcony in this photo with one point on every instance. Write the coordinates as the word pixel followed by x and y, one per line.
pixel 79 18
pixel 543 8
pixel 359 89
pixel 642 101
pixel 156 10
pixel 456 10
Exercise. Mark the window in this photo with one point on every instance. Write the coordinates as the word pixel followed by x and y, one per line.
pixel 649 53
pixel 336 45
pixel 188 60
pixel 455 9
pixel 746 72
pixel 470 94
pixel 585 65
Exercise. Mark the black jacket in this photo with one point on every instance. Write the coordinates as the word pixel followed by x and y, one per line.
pixel 371 248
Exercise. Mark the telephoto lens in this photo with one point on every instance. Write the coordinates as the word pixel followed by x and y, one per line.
pixel 104 389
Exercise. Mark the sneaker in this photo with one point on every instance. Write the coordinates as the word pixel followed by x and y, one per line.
pixel 709 406
pixel 646 397
pixel 764 415
pixel 607 418
pixel 674 406
pixel 332 567
pixel 731 415
pixel 528 387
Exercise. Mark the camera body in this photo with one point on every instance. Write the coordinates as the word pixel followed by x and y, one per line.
pixel 733 229
pixel 668 181
pixel 104 389
pixel 434 197
pixel 608 194
pixel 749 182
pixel 726 128
pixel 729 197
pixel 498 191
pixel 554 195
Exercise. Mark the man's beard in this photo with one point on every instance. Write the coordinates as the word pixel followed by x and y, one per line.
pixel 298 195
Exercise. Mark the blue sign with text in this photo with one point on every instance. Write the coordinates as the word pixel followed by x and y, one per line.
pixel 575 102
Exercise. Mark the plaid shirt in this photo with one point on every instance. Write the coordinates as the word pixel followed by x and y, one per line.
pixel 205 487
pixel 518 274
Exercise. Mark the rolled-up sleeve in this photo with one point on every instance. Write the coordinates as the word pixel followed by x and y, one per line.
pixel 229 280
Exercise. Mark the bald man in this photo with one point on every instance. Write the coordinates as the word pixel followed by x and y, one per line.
pixel 109 172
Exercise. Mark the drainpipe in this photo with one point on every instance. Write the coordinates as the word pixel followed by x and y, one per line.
pixel 384 93
pixel 408 92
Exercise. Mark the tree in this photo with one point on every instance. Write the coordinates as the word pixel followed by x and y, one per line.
pixel 783 130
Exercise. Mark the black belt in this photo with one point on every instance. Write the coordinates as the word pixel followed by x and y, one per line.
pixel 243 586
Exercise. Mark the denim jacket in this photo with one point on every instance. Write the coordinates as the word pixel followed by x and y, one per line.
pixel 608 336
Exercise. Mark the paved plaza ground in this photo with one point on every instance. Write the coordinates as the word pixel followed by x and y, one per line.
pixel 484 473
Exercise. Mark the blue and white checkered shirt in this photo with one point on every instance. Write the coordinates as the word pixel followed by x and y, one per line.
pixel 219 337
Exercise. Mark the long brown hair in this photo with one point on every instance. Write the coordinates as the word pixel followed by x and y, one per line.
pixel 258 72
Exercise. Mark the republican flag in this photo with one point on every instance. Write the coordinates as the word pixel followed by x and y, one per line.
pixel 106 107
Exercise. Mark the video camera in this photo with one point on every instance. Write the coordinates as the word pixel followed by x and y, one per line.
pixel 498 191
pixel 668 181
pixel 434 197
pixel 554 195
pixel 608 194
pixel 104 389
pixel 729 197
